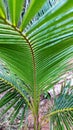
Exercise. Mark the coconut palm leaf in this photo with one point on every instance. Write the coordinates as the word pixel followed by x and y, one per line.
pixel 38 55
pixel 61 115
pixel 11 99
pixel 13 95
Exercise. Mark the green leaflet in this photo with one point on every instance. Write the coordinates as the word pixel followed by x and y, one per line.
pixel 17 108
pixel 2 10
pixel 15 8
pixel 34 7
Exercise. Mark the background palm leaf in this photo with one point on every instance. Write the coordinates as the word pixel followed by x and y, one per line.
pixel 64 105
pixel 61 113
pixel 13 94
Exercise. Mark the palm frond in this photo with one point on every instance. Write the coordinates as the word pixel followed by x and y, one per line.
pixel 13 95
pixel 61 116
pixel 11 99
pixel 46 36
pixel 37 54
pixel 37 47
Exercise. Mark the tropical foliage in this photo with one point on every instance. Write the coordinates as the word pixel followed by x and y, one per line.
pixel 61 114
pixel 36 48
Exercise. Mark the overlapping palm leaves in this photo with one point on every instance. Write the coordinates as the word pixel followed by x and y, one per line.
pixel 12 97
pixel 38 53
pixel 61 114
